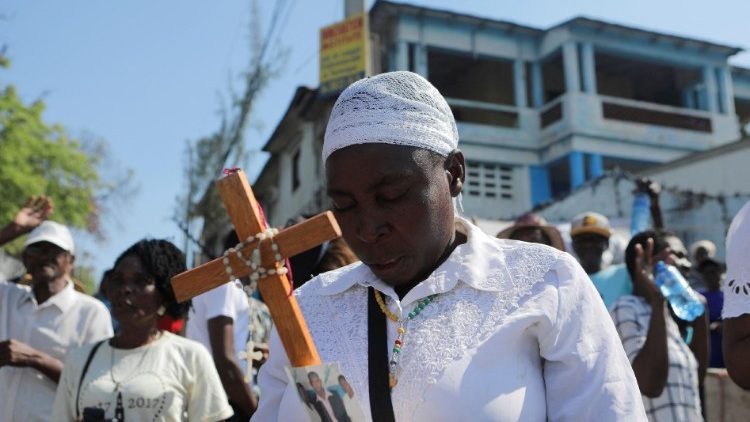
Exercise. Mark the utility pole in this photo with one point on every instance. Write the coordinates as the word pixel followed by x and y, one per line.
pixel 353 7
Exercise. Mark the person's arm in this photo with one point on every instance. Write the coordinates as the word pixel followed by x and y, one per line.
pixel 651 360
pixel 221 336
pixel 736 337
pixel 10 232
pixel 31 215
pixel 207 401
pixel 651 364
pixel 587 375
pixel 699 343
pixel 653 190
pixel 16 353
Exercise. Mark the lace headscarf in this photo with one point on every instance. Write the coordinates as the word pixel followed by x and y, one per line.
pixel 398 108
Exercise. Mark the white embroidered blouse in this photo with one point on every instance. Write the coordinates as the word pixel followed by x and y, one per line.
pixel 517 332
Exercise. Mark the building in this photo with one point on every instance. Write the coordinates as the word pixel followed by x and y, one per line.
pixel 701 194
pixel 539 111
pixel 722 170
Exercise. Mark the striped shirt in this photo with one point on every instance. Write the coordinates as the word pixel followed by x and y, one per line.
pixel 680 400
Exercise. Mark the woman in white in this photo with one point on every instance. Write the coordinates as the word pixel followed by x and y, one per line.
pixel 440 321
pixel 142 373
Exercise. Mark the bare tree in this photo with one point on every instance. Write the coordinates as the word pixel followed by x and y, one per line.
pixel 200 206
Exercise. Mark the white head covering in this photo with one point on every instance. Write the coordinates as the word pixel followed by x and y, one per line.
pixel 736 284
pixel 398 108
pixel 55 233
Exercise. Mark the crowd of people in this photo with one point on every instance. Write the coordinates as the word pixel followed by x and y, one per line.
pixel 428 317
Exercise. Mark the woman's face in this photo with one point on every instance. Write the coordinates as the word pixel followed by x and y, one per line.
pixel 394 206
pixel 133 294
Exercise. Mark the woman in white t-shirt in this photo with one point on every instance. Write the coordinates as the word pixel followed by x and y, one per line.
pixel 142 373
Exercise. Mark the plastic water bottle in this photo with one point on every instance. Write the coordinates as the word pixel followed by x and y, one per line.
pixel 640 218
pixel 683 300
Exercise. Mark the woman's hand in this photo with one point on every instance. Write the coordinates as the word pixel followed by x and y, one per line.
pixel 643 283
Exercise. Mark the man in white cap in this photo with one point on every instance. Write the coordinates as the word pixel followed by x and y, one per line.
pixel 440 321
pixel 736 312
pixel 39 324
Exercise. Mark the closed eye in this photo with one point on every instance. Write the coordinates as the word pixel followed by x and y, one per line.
pixel 392 196
pixel 343 206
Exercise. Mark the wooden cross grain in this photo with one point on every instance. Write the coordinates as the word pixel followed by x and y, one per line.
pixel 245 214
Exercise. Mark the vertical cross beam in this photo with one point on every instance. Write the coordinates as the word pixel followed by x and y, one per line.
pixel 244 213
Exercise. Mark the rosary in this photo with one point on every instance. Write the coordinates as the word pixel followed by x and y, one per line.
pixel 254 263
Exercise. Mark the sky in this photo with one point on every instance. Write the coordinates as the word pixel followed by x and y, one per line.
pixel 148 76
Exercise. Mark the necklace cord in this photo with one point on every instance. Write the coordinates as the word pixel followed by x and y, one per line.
pixel 140 361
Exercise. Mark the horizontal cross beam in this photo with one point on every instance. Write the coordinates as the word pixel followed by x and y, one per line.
pixel 291 241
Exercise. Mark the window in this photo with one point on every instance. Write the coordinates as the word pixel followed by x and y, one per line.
pixel 295 171
pixel 489 180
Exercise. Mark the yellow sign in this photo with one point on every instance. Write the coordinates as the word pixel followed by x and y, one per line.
pixel 343 53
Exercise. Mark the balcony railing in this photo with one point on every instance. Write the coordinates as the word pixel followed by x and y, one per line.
pixel 483 113
pixel 627 110
pixel 551 112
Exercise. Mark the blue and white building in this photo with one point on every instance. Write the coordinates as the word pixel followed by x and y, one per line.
pixel 539 111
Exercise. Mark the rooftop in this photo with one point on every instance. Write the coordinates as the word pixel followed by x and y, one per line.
pixel 391 8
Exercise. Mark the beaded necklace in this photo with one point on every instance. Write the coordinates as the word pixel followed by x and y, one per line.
pixel 398 344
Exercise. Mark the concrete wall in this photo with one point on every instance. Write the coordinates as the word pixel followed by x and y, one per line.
pixel 725 401
pixel 691 216
pixel 726 174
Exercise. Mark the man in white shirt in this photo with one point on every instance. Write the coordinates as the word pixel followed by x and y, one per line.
pixel 736 312
pixel 219 319
pixel 40 324
pixel 332 404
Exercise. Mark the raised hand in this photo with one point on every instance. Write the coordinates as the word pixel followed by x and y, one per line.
pixel 643 282
pixel 35 211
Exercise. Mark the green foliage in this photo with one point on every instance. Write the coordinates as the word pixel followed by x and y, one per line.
pixel 39 158
pixel 85 277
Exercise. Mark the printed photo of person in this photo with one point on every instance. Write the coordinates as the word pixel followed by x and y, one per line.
pixel 326 395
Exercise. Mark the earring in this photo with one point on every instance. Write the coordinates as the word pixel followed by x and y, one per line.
pixel 161 311
pixel 458 204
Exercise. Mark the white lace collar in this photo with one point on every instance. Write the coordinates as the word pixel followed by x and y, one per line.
pixel 469 263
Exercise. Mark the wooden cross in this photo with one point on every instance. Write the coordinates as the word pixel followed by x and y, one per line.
pixel 244 212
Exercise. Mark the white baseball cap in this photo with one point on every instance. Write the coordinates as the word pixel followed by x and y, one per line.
pixel 737 281
pixel 54 233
